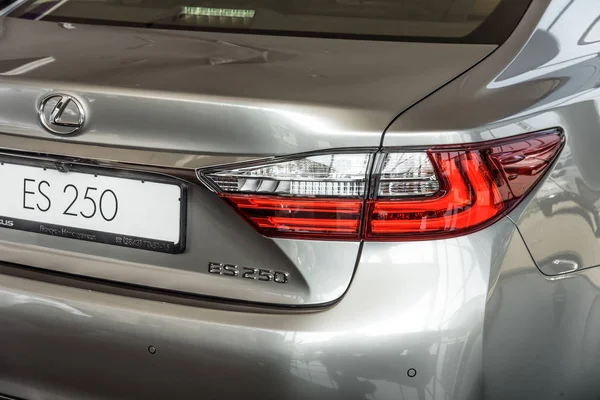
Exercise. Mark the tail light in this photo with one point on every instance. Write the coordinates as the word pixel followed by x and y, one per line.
pixel 318 196
pixel 410 195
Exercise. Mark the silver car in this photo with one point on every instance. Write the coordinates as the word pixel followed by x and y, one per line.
pixel 300 199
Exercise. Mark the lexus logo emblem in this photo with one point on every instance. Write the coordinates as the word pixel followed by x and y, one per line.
pixel 61 114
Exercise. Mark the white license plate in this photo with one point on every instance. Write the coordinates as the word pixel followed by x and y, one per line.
pixel 94 207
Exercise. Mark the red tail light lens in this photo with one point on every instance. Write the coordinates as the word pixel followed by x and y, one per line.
pixel 468 198
pixel 478 184
pixel 445 191
pixel 305 217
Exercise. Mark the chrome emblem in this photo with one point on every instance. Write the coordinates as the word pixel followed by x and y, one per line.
pixel 257 274
pixel 61 114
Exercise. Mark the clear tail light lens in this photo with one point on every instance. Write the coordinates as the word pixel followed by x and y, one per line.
pixel 414 195
pixel 407 175
pixel 335 175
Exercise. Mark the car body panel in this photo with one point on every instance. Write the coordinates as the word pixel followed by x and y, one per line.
pixel 474 107
pixel 225 98
pixel 548 79
pixel 317 274
pixel 560 224
pixel 223 93
pixel 412 305
pixel 489 315
pixel 540 335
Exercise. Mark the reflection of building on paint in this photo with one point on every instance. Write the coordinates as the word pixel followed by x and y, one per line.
pixel 22 68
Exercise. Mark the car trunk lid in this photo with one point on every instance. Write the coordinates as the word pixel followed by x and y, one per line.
pixel 178 100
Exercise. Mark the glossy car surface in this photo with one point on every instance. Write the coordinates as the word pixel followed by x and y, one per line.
pixel 509 311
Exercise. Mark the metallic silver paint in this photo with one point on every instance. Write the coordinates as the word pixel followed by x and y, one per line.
pixel 541 335
pixel 320 272
pixel 475 106
pixel 318 277
pixel 427 315
pixel 117 156
pixel 473 315
pixel 275 96
pixel 561 223
pixel 314 99
pixel 548 79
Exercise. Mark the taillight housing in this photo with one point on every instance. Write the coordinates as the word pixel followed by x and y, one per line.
pixel 316 196
pixel 391 194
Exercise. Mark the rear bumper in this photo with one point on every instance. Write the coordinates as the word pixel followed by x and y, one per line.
pixel 456 312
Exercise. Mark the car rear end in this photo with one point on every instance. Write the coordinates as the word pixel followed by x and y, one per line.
pixel 297 200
